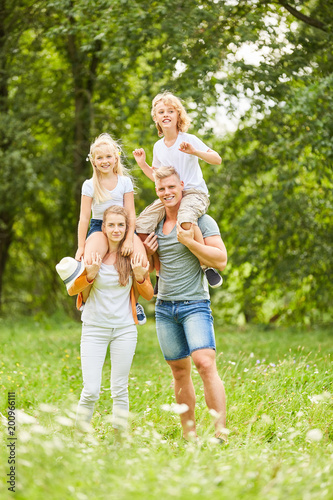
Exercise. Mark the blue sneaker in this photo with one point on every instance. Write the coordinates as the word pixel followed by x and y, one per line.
pixel 213 277
pixel 140 312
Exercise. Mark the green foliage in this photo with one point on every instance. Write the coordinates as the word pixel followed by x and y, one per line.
pixel 72 69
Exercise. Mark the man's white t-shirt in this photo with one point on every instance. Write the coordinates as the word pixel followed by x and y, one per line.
pixel 186 165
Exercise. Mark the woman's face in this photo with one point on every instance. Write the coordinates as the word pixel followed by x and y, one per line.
pixel 115 227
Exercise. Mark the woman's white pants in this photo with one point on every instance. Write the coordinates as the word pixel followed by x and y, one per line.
pixel 94 343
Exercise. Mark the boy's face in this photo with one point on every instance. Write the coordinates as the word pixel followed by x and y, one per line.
pixel 166 116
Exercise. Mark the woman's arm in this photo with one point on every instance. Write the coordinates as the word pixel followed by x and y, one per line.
pixel 141 277
pixel 85 212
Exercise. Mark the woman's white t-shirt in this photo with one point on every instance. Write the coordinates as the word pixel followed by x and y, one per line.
pixel 124 185
pixel 108 304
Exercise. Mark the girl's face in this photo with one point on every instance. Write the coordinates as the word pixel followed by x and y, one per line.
pixel 115 227
pixel 104 159
pixel 166 116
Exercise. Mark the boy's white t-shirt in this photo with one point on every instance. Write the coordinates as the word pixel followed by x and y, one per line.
pixel 186 165
pixel 124 185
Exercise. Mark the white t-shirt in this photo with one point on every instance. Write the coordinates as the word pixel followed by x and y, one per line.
pixel 124 185
pixel 186 165
pixel 108 304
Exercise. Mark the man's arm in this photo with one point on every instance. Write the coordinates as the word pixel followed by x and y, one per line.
pixel 212 254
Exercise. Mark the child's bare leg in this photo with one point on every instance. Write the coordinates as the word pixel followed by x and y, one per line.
pixel 96 242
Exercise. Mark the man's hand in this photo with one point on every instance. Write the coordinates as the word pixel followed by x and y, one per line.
pixel 185 236
pixel 93 268
pixel 140 156
pixel 151 244
pixel 186 147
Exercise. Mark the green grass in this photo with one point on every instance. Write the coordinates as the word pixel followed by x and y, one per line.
pixel 280 416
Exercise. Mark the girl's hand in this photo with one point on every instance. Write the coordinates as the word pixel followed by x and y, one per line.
pixel 79 253
pixel 140 156
pixel 140 272
pixel 127 247
pixel 186 147
pixel 93 268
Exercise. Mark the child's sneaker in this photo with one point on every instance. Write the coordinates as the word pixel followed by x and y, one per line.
pixel 213 277
pixel 156 287
pixel 140 313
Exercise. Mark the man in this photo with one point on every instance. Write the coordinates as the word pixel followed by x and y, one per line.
pixel 184 322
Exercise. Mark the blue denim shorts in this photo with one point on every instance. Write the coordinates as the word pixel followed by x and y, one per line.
pixel 95 225
pixel 183 327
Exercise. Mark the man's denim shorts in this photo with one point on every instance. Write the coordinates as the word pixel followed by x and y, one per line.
pixel 183 327
pixel 95 225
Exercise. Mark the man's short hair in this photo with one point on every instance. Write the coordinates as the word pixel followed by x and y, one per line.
pixel 164 172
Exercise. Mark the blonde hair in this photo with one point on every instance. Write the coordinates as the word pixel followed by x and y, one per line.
pixel 164 172
pixel 168 98
pixel 122 263
pixel 100 193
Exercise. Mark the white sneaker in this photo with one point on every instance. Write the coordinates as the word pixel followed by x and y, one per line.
pixel 140 312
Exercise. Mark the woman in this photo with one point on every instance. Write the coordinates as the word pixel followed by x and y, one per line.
pixel 109 316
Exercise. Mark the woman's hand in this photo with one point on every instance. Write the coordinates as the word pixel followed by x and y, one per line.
pixel 127 247
pixel 140 272
pixel 93 268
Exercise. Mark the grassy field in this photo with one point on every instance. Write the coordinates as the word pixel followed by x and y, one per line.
pixel 280 417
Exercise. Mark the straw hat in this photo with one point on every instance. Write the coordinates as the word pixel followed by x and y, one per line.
pixel 69 269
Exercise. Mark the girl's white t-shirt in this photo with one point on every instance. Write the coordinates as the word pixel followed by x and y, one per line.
pixel 186 165
pixel 124 185
pixel 108 304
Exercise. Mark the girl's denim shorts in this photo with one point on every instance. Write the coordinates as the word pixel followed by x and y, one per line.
pixel 95 225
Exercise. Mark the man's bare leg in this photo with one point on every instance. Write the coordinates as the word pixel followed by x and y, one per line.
pixel 205 362
pixel 185 394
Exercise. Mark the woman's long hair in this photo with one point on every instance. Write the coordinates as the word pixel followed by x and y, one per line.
pixel 122 263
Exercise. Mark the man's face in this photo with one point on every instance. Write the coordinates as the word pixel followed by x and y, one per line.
pixel 169 190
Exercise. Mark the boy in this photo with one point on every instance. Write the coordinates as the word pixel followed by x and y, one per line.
pixel 182 151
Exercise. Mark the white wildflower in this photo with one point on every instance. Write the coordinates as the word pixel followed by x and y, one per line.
pixel 67 422
pixel 24 418
pixel 314 435
pixel 175 408
pixel 47 408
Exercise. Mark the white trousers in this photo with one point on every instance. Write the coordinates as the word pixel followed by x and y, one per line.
pixel 94 344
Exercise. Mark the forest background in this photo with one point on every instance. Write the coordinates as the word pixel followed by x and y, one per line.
pixel 256 77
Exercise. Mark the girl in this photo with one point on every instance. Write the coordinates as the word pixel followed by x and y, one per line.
pixel 109 185
pixel 109 315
